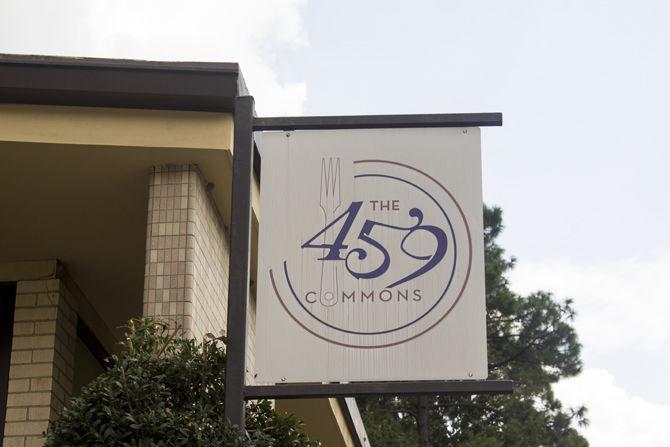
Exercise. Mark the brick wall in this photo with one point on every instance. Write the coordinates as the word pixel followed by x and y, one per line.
pixel 42 362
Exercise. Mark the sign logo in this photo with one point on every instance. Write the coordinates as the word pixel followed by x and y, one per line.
pixel 384 256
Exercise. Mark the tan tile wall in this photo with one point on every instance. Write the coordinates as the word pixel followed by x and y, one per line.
pixel 186 278
pixel 41 371
pixel 168 276
pixel 210 261
pixel 187 252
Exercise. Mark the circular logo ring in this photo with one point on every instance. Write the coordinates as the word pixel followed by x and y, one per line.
pixel 448 311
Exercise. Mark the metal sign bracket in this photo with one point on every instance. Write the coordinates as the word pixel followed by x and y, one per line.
pixel 240 237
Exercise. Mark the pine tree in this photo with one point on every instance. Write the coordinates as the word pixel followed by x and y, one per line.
pixel 531 340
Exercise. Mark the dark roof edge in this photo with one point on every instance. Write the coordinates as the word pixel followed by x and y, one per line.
pixel 55 80
pixel 94 62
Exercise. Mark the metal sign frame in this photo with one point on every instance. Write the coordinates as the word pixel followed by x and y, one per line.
pixel 244 154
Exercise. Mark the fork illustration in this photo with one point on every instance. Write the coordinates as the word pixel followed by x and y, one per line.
pixel 329 202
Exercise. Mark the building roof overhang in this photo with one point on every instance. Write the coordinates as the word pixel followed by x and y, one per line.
pixel 120 83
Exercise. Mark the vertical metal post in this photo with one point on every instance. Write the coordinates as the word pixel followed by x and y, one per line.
pixel 240 238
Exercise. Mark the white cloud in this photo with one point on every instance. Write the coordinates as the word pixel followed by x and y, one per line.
pixel 620 304
pixel 622 309
pixel 249 32
pixel 617 417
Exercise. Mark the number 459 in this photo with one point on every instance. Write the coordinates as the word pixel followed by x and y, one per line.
pixel 334 249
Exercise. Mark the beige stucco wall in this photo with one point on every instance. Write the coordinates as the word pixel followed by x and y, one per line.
pixel 115 127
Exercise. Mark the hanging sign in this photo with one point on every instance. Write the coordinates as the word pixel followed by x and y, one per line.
pixel 371 263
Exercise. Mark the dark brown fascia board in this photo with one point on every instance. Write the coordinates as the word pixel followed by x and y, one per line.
pixel 69 81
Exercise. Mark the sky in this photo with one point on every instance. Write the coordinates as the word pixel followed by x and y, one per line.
pixel 580 166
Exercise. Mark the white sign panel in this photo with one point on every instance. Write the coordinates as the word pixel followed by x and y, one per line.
pixel 371 262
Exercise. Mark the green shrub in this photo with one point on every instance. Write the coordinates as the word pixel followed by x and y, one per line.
pixel 166 390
